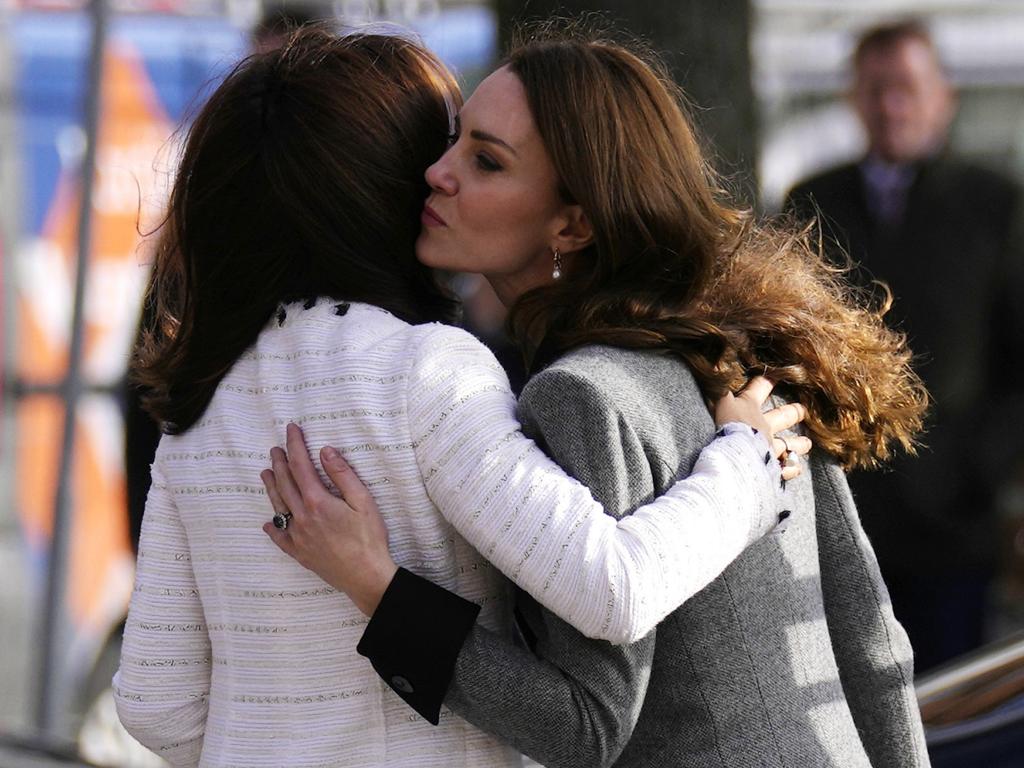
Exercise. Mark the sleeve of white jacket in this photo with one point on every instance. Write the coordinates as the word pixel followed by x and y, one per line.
pixel 612 580
pixel 162 686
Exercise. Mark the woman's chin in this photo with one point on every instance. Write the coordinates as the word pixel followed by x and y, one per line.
pixel 429 255
pixel 424 253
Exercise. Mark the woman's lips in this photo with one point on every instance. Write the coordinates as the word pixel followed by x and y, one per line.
pixel 430 218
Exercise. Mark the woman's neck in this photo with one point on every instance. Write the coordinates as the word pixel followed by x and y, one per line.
pixel 507 288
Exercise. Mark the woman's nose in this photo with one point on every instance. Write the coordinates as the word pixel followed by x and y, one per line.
pixel 440 177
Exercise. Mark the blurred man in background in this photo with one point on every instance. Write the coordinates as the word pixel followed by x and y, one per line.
pixel 281 18
pixel 937 231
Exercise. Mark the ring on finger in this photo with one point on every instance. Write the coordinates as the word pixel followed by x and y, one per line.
pixel 789 457
pixel 281 520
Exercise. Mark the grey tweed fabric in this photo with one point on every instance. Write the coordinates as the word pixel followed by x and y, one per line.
pixel 791 658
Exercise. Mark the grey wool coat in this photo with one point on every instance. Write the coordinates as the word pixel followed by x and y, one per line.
pixel 791 658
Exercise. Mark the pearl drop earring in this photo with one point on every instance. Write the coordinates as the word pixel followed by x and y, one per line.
pixel 557 271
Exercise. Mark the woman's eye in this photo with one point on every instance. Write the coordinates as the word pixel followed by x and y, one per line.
pixel 452 138
pixel 486 163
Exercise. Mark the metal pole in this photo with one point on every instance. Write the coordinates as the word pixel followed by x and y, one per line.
pixel 49 714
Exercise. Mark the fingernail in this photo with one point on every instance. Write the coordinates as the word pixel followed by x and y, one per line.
pixel 330 453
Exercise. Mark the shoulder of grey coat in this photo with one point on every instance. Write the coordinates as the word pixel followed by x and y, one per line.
pixel 792 656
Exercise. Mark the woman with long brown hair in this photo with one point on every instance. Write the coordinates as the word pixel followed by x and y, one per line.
pixel 656 293
pixel 286 289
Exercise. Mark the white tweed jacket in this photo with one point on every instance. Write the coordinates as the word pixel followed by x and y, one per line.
pixel 234 655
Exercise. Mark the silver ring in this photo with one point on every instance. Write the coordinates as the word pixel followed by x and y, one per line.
pixel 281 520
pixel 789 457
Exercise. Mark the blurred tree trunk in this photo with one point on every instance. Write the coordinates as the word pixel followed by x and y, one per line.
pixel 706 45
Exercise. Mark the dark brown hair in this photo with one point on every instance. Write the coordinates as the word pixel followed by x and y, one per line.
pixel 886 36
pixel 674 267
pixel 302 176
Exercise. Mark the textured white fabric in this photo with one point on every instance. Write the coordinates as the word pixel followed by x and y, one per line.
pixel 234 655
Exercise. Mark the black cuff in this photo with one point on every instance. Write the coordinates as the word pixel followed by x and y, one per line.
pixel 414 638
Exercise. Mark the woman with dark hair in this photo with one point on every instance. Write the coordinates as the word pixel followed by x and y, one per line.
pixel 286 288
pixel 667 295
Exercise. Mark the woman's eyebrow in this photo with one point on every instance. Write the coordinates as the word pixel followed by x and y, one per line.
pixel 492 139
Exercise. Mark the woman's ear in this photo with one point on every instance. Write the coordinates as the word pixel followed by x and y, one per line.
pixel 576 232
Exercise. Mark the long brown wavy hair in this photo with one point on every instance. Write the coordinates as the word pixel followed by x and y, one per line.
pixel 674 266
pixel 302 176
